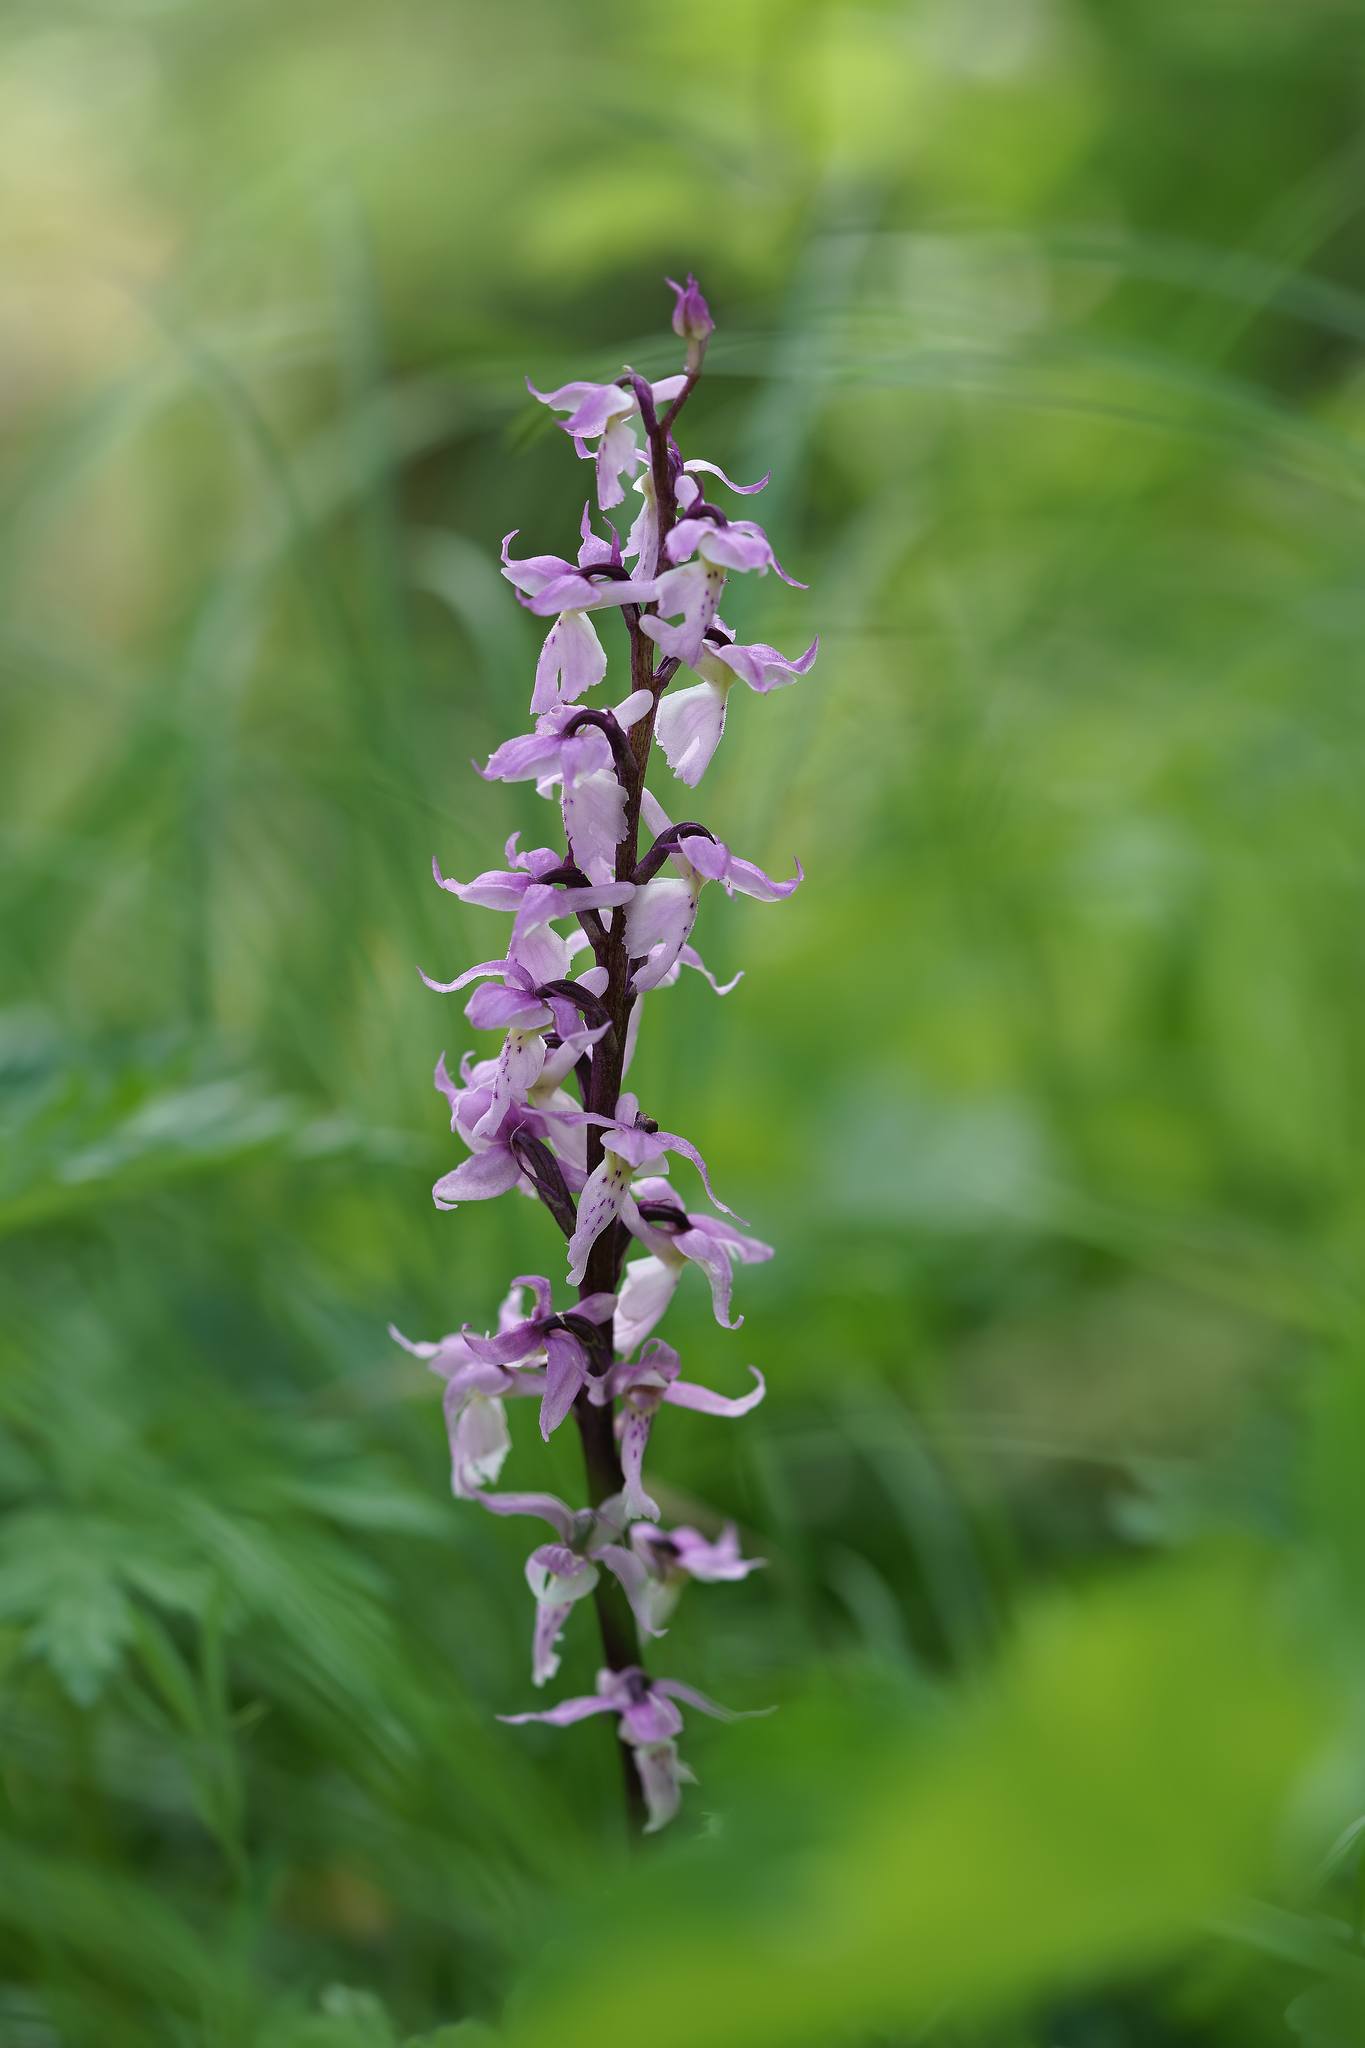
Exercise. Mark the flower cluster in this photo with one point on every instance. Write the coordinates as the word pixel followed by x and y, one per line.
pixel 594 929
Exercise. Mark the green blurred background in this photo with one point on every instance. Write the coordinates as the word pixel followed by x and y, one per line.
pixel 1048 316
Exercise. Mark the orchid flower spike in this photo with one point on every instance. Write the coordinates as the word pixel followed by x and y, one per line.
pixel 600 919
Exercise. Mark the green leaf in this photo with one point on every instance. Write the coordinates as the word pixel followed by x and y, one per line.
pixel 81 1132
pixel 62 1579
pixel 84 1631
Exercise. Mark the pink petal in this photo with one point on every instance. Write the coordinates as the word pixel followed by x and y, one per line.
pixel 646 1291
pixel 479 1441
pixel 689 728
pixel 692 590
pixel 761 666
pixel 716 862
pixel 635 1429
pixel 698 467
pixel 494 1008
pixel 477 1179
pixel 594 808
pixel 662 1775
pixel 547 1507
pixel 566 1712
pixel 714 1262
pixel 572 661
pixel 565 1374
pixel 446 988
pixel 635 1581
pixel 599 1205
pixel 590 406
pixel 685 1394
pixel 659 921
pixel 673 1688
pixel 546 1631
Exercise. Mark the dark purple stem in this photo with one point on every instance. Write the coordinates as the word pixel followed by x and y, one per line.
pixel 603 1082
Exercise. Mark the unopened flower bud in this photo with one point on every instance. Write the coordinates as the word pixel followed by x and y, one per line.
pixel 692 320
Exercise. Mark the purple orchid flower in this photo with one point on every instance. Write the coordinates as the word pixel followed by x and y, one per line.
pixel 643 539
pixel 515 995
pixel 476 1421
pixel 728 543
pixel 650 1719
pixel 522 888
pixel 702 552
pixel 561 1573
pixel 629 1141
pixel 537 954
pixel 642 1389
pixel 558 1577
pixel 691 721
pixel 547 1117
pixel 675 1239
pixel 547 1103
pixel 572 658
pixel 668 1559
pixel 553 1336
pixel 661 914
pixel 592 800
pixel 607 414
pixel 523 1003
pixel 540 756
pixel 651 1565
